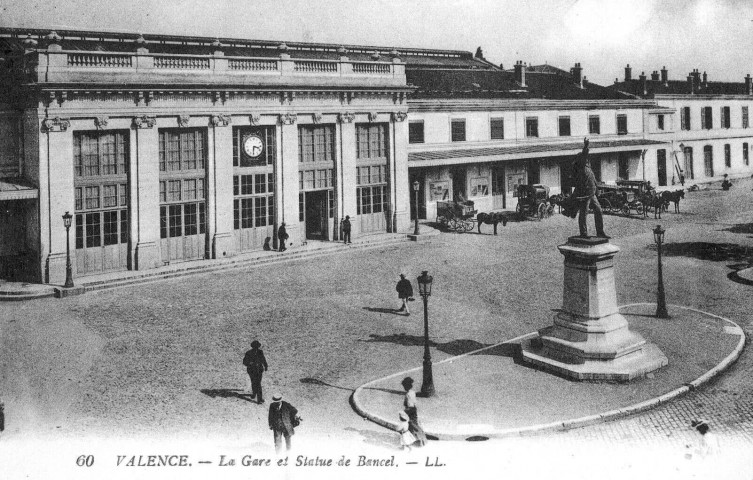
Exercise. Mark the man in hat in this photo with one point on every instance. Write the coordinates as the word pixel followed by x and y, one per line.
pixel 282 236
pixel 256 365
pixel 283 418
pixel 346 229
pixel 404 292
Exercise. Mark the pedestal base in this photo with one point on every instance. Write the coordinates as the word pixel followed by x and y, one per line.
pixel 590 339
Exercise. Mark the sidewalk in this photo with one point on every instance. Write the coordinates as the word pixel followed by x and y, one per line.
pixel 487 393
pixel 10 291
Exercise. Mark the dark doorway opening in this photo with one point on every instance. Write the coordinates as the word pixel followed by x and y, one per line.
pixel 458 185
pixel 316 215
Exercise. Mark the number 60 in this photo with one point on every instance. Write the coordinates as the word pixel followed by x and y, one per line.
pixel 85 460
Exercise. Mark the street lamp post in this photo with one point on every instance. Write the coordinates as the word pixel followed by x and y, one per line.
pixel 415 189
pixel 661 301
pixel 67 218
pixel 424 288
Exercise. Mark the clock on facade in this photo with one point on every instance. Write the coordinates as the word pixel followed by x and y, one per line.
pixel 253 146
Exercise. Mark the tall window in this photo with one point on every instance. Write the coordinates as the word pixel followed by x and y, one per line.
pixel 254 200
pixel 685 118
pixel 660 122
pixel 622 127
pixel 372 193
pixel 746 122
pixel 100 164
pixel 532 127
pixel 707 118
pixel 689 170
pixel 708 160
pixel 497 128
pixel 564 124
pixel 726 122
pixel 371 141
pixel 594 124
pixel 661 167
pixel 416 132
pixel 745 154
pixel 316 143
pixel 457 126
pixel 727 155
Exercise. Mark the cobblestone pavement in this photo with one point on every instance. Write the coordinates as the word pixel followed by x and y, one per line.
pixel 163 360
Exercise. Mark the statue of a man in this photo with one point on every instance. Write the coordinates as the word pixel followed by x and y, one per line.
pixel 585 192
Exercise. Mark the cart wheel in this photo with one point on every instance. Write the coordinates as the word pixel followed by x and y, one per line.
pixel 550 210
pixel 605 205
pixel 452 224
pixel 638 208
pixel 460 226
pixel 626 209
pixel 469 225
pixel 542 210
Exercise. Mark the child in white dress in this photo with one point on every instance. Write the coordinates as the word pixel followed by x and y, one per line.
pixel 406 437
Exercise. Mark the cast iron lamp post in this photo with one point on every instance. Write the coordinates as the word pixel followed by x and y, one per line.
pixel 424 288
pixel 415 189
pixel 661 302
pixel 67 218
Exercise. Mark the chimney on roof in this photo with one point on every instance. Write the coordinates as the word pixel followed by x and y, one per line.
pixel 577 73
pixel 748 85
pixel 628 73
pixel 501 66
pixel 696 80
pixel 479 53
pixel 644 84
pixel 664 76
pixel 705 79
pixel 691 83
pixel 654 76
pixel 520 73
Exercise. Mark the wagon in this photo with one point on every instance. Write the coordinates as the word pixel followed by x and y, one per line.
pixel 624 197
pixel 533 201
pixel 457 216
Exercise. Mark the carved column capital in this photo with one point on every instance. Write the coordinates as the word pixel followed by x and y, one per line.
pixel 101 121
pixel 373 116
pixel 144 121
pixel 220 120
pixel 347 117
pixel 254 119
pixel 317 117
pixel 399 116
pixel 288 119
pixel 55 124
pixel 184 120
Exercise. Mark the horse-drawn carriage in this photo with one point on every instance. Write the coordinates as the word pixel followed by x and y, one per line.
pixel 458 216
pixel 533 201
pixel 626 196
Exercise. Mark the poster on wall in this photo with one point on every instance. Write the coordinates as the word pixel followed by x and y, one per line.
pixel 439 191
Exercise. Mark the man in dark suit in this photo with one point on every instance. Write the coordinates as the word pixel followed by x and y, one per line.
pixel 282 236
pixel 346 229
pixel 256 365
pixel 283 418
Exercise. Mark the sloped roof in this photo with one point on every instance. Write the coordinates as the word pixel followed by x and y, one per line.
pixel 444 83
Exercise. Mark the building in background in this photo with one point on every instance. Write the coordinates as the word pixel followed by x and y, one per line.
pixel 476 131
pixel 709 131
pixel 173 148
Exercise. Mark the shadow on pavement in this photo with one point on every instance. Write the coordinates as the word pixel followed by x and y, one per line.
pixel 378 439
pixel 321 383
pixel 393 311
pixel 454 347
pixel 715 252
pixel 227 393
pixel 746 228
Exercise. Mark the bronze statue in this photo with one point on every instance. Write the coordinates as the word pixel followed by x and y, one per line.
pixel 585 193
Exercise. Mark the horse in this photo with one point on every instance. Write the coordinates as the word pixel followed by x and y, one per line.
pixel 559 200
pixel 673 197
pixel 652 200
pixel 492 218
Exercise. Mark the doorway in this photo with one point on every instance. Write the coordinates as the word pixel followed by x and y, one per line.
pixel 458 184
pixel 316 214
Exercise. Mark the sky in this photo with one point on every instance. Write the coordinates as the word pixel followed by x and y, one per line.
pixel 603 35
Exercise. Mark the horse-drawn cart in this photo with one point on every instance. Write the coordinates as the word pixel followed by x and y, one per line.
pixel 457 216
pixel 533 201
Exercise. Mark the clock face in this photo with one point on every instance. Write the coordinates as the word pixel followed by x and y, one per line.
pixel 253 146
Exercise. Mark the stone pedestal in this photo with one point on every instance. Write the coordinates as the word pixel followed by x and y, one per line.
pixel 590 339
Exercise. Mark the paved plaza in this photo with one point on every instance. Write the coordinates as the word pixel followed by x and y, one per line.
pixel 163 360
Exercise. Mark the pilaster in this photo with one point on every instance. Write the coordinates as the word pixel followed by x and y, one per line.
pixel 220 191
pixel 145 188
pixel 399 178
pixel 287 174
pixel 349 180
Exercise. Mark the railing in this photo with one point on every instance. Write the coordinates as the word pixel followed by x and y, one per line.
pixel 252 65
pixel 313 66
pixel 372 68
pixel 183 63
pixel 99 60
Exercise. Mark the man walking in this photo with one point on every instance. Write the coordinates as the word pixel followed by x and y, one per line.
pixel 283 418
pixel 282 236
pixel 256 365
pixel 346 229
pixel 404 292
